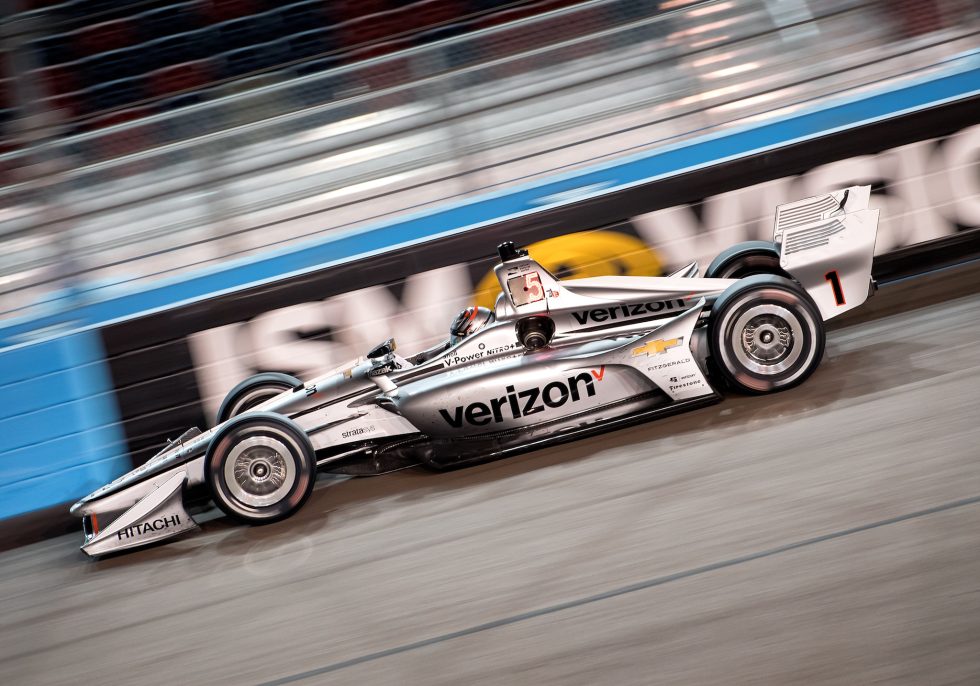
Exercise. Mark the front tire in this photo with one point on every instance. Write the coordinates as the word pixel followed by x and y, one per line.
pixel 254 391
pixel 765 335
pixel 260 468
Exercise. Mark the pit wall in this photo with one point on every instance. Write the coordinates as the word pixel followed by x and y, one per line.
pixel 81 407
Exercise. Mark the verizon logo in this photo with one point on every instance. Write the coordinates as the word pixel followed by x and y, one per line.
pixel 516 404
pixel 626 311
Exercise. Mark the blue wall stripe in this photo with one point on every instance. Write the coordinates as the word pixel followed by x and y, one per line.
pixel 55 487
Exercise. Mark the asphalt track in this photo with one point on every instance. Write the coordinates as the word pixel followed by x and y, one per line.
pixel 830 534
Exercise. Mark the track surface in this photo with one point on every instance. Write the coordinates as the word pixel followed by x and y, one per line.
pixel 830 534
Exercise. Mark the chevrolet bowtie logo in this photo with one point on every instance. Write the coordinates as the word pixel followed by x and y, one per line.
pixel 656 347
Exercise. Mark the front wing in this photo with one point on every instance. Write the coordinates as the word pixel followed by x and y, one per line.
pixel 158 515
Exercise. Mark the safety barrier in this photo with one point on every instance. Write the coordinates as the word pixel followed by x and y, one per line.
pixel 60 433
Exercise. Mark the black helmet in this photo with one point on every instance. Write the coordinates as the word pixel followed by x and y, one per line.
pixel 468 322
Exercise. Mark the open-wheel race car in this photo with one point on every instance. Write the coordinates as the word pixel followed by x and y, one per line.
pixel 553 361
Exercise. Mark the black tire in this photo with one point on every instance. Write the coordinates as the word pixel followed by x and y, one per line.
pixel 765 335
pixel 260 468
pixel 253 391
pixel 746 259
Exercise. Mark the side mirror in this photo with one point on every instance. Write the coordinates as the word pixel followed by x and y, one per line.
pixel 383 350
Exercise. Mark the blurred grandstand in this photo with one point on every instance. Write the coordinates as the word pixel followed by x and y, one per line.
pixel 101 62
pixel 143 138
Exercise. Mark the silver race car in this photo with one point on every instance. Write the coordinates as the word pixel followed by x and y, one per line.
pixel 553 361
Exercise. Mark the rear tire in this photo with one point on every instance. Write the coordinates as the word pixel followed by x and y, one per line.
pixel 746 259
pixel 254 391
pixel 765 335
pixel 260 468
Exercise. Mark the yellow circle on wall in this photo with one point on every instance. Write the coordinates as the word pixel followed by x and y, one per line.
pixel 578 255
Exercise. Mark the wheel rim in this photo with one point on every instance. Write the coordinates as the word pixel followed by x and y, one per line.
pixel 259 471
pixel 766 339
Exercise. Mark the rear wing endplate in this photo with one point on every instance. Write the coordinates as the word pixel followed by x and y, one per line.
pixel 827 243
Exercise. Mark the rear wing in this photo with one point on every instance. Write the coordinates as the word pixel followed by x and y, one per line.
pixel 827 243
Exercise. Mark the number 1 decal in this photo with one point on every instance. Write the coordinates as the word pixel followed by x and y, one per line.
pixel 835 284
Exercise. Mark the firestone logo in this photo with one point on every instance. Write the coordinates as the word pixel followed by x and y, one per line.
pixel 137 530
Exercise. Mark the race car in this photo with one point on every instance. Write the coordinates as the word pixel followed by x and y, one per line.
pixel 551 361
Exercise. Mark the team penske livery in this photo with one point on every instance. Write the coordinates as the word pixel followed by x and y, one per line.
pixel 551 362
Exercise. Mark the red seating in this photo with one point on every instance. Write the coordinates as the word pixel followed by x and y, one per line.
pixel 66 105
pixel 61 89
pixel 7 169
pixel 107 35
pixel 387 74
pixel 38 4
pixel 171 51
pixel 119 117
pixel 918 16
pixel 223 10
pixel 179 78
pixel 522 37
pixel 130 140
pixel 426 14
pixel 57 80
pixel 525 11
pixel 346 10
pixel 370 29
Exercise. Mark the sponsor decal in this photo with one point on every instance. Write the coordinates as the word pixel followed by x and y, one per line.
pixel 350 433
pixel 137 530
pixel 479 354
pixel 657 347
pixel 626 311
pixel 686 384
pixel 455 370
pixel 525 402
pixel 385 368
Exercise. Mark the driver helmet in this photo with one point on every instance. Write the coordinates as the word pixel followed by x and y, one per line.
pixel 468 322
